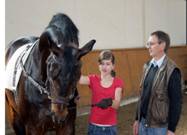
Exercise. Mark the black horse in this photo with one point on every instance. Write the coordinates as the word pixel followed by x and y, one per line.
pixel 44 97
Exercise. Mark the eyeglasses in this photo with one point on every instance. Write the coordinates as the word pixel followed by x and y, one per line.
pixel 149 44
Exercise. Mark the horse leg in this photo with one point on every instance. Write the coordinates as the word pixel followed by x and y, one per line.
pixel 10 100
pixel 12 115
pixel 18 127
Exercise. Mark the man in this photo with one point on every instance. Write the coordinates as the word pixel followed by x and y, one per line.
pixel 160 102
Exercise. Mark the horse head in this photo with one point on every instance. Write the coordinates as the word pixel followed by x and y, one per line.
pixel 61 67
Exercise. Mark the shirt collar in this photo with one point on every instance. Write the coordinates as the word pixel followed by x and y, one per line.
pixel 158 62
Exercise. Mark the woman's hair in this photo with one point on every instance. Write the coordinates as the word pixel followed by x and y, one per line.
pixel 107 55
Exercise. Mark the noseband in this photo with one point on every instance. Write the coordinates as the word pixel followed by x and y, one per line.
pixel 60 100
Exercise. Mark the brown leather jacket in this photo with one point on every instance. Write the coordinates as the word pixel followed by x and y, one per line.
pixel 158 106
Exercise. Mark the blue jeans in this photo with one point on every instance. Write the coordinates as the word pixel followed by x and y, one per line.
pixel 101 130
pixel 144 130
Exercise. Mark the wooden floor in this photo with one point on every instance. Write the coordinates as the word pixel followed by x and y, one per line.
pixel 126 116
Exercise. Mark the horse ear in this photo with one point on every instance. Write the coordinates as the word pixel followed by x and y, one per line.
pixel 49 38
pixel 86 48
pixel 44 42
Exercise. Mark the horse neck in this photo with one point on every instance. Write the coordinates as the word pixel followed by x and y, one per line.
pixel 36 65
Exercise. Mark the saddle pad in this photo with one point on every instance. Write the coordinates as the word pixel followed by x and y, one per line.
pixel 13 69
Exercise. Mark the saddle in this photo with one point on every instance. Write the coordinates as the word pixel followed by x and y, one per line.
pixel 14 68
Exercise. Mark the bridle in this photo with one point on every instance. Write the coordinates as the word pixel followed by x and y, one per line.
pixel 58 100
pixel 43 89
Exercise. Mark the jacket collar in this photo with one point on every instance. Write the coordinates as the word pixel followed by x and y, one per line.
pixel 158 62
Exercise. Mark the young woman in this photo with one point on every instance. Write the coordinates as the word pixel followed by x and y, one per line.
pixel 106 92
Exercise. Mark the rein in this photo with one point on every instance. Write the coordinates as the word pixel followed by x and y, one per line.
pixel 35 83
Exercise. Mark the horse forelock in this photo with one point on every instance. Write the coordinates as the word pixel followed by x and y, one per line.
pixel 64 24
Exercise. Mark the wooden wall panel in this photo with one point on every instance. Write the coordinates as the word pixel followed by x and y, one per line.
pixel 129 65
pixel 179 55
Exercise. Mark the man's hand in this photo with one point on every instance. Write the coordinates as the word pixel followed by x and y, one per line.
pixel 104 103
pixel 135 127
pixel 170 133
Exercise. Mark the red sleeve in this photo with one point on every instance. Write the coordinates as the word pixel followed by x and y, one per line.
pixel 119 83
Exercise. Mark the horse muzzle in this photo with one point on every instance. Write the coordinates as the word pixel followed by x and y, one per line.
pixel 59 113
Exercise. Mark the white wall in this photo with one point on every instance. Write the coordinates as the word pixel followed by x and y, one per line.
pixel 113 23
pixel 167 15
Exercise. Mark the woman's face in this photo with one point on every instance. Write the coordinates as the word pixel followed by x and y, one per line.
pixel 106 66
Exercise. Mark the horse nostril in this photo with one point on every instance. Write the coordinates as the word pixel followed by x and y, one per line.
pixel 53 118
pixel 49 113
pixel 62 120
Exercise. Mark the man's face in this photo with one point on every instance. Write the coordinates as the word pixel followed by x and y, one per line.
pixel 155 47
